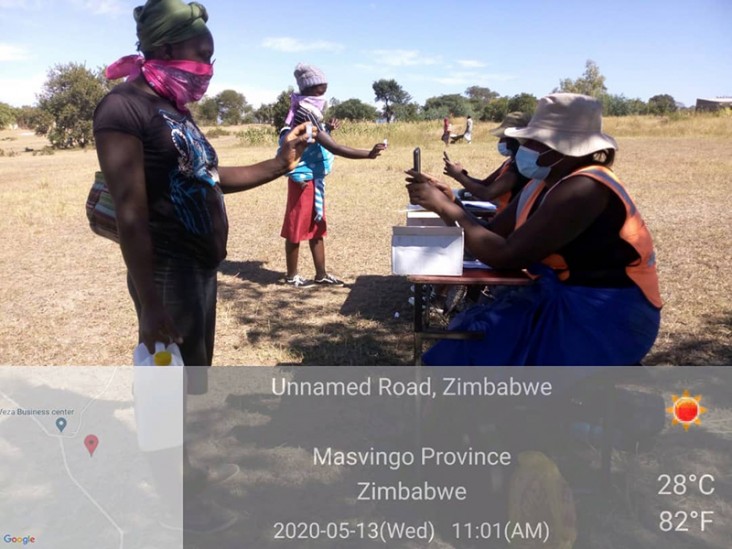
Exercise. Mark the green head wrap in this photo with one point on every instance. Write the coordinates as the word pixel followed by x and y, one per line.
pixel 168 22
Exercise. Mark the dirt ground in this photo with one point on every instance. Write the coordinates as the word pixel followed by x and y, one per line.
pixel 63 296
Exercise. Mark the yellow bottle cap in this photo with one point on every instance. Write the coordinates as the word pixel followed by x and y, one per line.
pixel 162 358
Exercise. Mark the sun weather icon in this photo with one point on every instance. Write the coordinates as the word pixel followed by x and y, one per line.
pixel 686 410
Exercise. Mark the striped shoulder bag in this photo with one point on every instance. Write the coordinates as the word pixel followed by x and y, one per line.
pixel 100 209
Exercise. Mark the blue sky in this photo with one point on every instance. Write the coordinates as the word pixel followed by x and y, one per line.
pixel 643 48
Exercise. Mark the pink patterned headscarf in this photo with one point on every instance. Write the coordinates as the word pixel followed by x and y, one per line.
pixel 179 81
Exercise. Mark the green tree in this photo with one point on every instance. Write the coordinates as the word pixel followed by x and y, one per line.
pixel 281 107
pixel 481 94
pixel 206 111
pixel 496 110
pixel 26 116
pixel 33 118
pixel 264 114
pixel 619 105
pixel 70 95
pixel 524 102
pixel 479 97
pixel 353 109
pixel 590 83
pixel 391 93
pixel 7 115
pixel 446 105
pixel 407 112
pixel 637 106
pixel 662 104
pixel 232 106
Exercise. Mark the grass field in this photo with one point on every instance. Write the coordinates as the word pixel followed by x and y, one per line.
pixel 63 295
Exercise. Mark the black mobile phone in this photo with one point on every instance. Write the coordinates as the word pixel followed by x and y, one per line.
pixel 417 156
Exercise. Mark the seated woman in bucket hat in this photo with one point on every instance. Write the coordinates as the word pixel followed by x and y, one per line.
pixel 574 226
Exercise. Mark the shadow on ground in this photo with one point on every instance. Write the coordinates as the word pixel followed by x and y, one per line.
pixel 367 322
pixel 711 344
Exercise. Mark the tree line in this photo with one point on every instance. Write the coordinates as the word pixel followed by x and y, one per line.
pixel 71 92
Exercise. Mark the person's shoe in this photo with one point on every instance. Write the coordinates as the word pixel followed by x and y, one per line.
pixel 298 282
pixel 329 280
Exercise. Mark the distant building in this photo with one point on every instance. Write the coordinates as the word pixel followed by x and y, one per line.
pixel 714 104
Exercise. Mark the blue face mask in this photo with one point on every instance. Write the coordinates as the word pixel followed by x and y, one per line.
pixel 503 149
pixel 526 163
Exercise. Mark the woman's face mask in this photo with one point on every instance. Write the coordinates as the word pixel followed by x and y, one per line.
pixel 526 162
pixel 179 81
pixel 503 149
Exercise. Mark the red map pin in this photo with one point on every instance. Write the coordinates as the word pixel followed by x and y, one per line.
pixel 91 442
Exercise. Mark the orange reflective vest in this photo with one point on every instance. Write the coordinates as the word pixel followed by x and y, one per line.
pixel 502 201
pixel 634 231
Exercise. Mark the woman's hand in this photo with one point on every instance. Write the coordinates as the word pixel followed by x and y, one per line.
pixel 157 325
pixel 452 169
pixel 428 192
pixel 295 144
pixel 333 124
pixel 377 150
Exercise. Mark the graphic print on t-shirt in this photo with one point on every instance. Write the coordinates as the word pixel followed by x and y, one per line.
pixel 194 177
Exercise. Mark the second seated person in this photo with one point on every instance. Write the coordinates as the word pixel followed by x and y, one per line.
pixel 506 182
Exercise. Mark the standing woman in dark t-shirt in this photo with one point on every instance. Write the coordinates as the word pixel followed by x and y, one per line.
pixel 166 183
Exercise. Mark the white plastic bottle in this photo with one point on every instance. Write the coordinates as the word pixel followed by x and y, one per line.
pixel 163 356
pixel 159 396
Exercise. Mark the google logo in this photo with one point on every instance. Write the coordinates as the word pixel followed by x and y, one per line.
pixel 7 538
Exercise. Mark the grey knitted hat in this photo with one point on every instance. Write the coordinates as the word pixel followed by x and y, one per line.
pixel 308 75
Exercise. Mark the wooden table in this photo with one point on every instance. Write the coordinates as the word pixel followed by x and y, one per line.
pixel 470 277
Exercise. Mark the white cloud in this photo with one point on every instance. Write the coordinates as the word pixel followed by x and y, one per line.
pixel 471 63
pixel 13 52
pixel 403 58
pixel 471 78
pixel 255 96
pixel 21 91
pixel 98 7
pixel 103 7
pixel 23 4
pixel 292 45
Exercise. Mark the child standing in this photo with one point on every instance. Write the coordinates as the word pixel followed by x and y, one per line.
pixel 305 213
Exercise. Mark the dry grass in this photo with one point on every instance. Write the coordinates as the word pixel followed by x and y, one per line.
pixel 63 296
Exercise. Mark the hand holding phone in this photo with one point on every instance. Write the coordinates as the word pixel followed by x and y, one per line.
pixel 417 158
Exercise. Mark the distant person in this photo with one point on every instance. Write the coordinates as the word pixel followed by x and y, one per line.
pixel 506 182
pixel 446 127
pixel 305 211
pixel 467 134
pixel 574 226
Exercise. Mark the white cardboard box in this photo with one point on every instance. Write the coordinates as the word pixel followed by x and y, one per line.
pixel 417 218
pixel 427 250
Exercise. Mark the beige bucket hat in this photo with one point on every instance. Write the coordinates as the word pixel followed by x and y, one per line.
pixel 516 119
pixel 570 123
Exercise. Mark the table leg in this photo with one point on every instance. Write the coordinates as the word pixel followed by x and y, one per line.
pixel 418 322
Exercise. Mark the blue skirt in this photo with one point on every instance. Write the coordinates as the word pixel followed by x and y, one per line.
pixel 553 324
